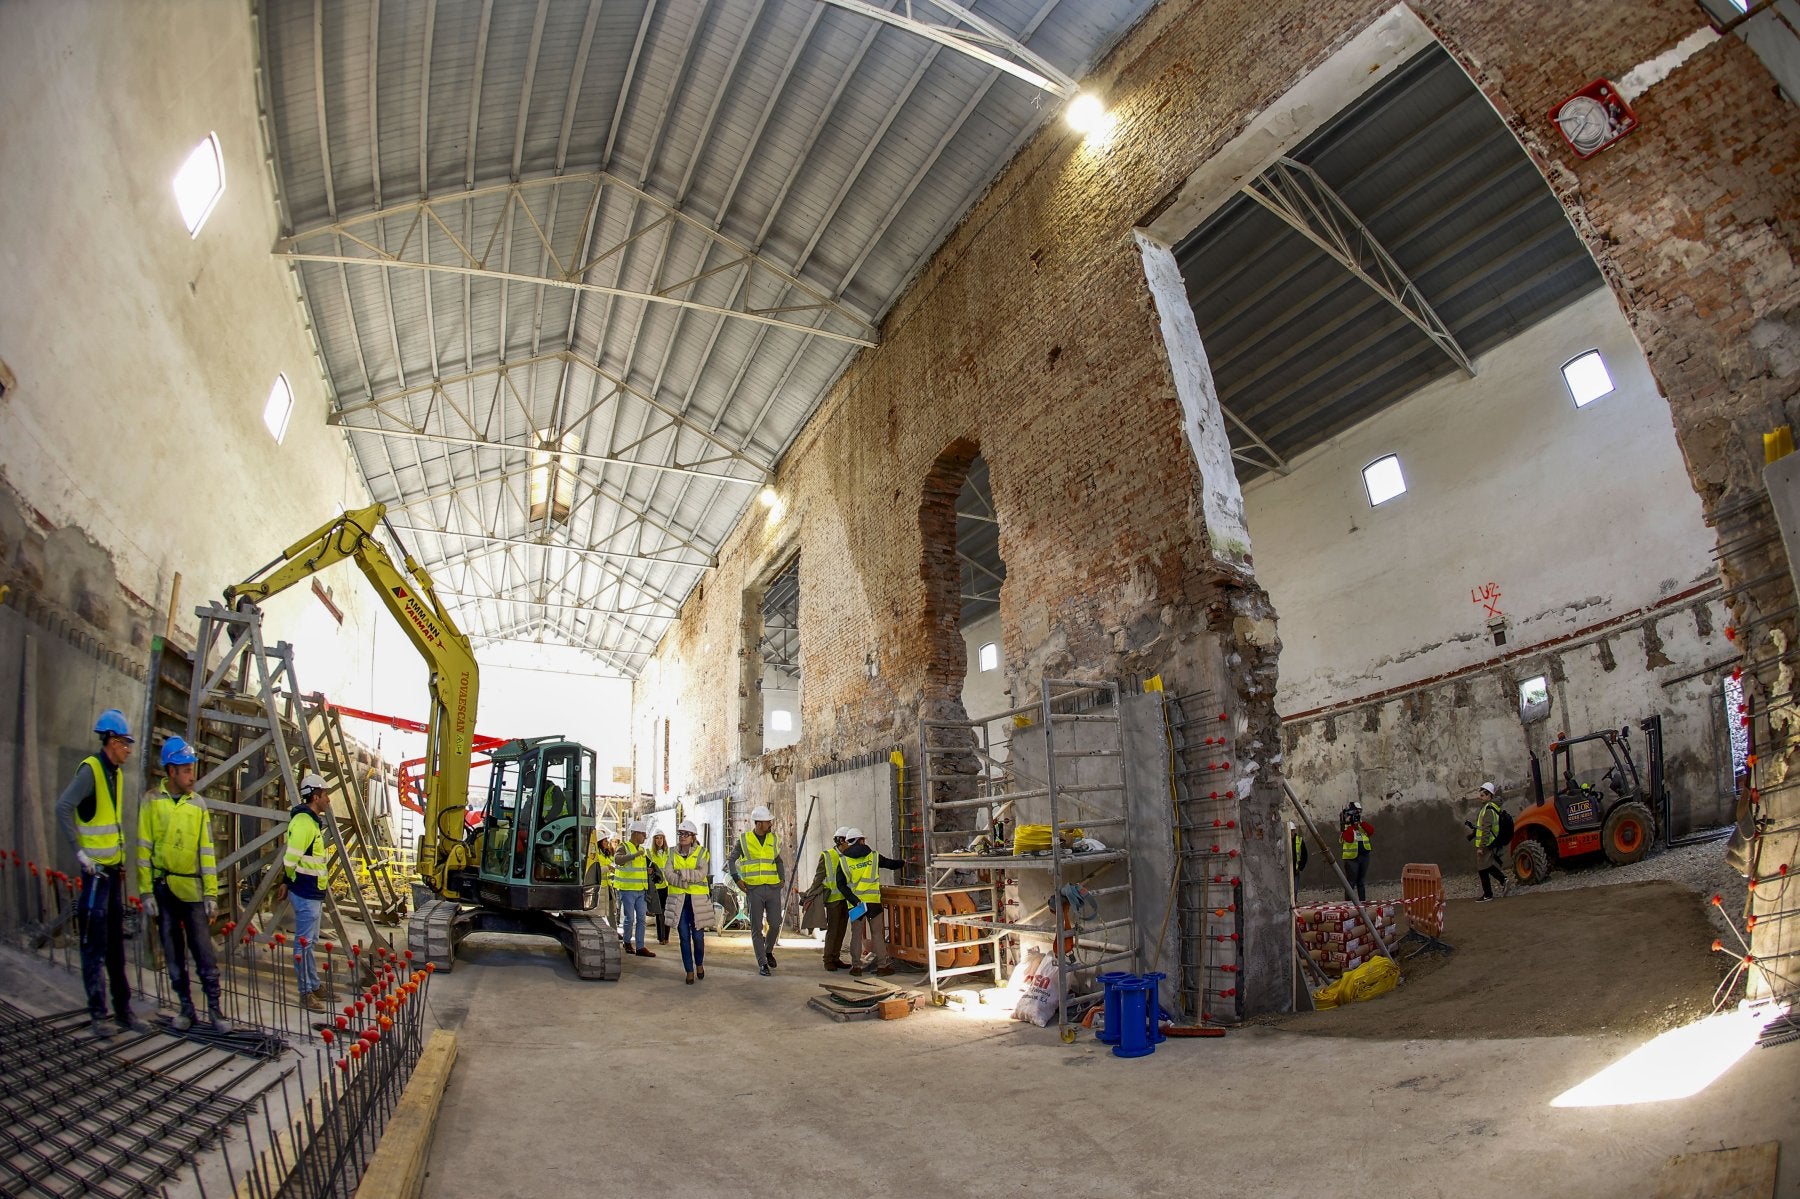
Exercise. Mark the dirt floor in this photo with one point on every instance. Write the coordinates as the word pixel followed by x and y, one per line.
pixel 1635 958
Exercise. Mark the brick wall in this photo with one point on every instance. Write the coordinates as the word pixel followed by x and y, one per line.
pixel 1031 335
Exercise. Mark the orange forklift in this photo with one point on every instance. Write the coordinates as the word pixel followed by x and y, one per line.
pixel 1601 805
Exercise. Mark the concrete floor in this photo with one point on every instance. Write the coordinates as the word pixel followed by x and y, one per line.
pixel 732 1086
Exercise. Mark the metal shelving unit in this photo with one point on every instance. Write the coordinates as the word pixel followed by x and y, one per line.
pixel 966 786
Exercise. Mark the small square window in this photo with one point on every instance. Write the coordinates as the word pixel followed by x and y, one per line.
pixel 1383 479
pixel 781 721
pixel 279 408
pixel 199 184
pixel 988 656
pixel 1534 699
pixel 1587 378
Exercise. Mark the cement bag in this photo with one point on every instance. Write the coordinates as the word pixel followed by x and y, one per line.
pixel 1038 998
pixel 1368 980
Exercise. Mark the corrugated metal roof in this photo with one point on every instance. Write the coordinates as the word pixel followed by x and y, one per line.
pixel 1299 347
pixel 837 148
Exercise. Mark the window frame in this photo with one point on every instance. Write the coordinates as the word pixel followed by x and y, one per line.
pixel 1399 471
pixel 212 203
pixel 281 384
pixel 982 665
pixel 1612 384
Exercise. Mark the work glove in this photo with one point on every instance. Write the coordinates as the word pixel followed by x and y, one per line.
pixel 87 863
pixel 212 910
pixel 150 906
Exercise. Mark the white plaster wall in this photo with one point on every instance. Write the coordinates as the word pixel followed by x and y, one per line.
pixel 985 691
pixel 1577 515
pixel 779 695
pixel 144 357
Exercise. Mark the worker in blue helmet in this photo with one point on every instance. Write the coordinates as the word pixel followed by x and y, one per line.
pixel 89 814
pixel 177 873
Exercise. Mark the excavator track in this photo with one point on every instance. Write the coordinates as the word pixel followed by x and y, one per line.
pixel 594 946
pixel 431 933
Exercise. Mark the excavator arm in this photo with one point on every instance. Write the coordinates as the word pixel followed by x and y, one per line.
pixel 455 679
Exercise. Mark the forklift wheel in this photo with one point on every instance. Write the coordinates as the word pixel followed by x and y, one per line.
pixel 1630 828
pixel 1530 864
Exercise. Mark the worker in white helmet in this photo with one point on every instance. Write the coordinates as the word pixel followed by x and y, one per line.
pixel 859 878
pixel 690 890
pixel 305 866
pixel 631 878
pixel 824 887
pixel 755 862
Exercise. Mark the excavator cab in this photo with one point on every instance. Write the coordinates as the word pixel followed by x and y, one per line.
pixel 536 825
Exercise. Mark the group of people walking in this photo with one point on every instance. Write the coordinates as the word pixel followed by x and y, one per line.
pixel 677 884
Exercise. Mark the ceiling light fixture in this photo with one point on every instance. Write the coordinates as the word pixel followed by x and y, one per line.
pixel 768 497
pixel 1085 112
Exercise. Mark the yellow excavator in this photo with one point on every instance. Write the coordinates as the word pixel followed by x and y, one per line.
pixel 522 867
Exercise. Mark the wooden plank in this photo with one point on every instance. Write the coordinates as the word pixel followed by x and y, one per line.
pixel 397 1170
pixel 1745 1172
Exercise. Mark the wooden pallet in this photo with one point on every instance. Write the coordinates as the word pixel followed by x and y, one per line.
pixel 843 1013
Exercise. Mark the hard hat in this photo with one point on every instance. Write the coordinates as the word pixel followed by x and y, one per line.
pixel 112 724
pixel 312 782
pixel 688 826
pixel 177 752
pixel 842 830
pixel 637 826
pixel 759 812
pixel 1490 788
pixel 853 834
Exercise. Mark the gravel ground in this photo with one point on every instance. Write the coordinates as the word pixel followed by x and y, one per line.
pixel 1699 868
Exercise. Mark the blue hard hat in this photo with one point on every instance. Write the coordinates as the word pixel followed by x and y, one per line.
pixel 112 724
pixel 177 752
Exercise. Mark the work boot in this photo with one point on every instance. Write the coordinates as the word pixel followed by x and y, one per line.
pixel 644 953
pixel 219 1022
pixel 771 957
pixel 184 1020
pixel 834 964
pixel 327 992
pixel 312 1003
pixel 856 972
pixel 699 971
pixel 763 970
pixel 885 968
pixel 99 1028
pixel 690 978
pixel 131 1023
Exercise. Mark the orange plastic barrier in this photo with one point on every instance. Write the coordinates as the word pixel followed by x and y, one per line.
pixel 1422 895
pixel 904 908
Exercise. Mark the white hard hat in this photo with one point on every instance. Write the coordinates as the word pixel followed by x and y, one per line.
pixel 759 812
pixel 688 826
pixel 843 831
pixel 638 826
pixel 1490 788
pixel 606 831
pixel 312 782
pixel 853 834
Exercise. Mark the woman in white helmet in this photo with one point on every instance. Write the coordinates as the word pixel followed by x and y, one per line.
pixel 690 891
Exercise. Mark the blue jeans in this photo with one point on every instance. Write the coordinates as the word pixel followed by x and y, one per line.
pixel 306 935
pixel 634 906
pixel 102 915
pixel 693 938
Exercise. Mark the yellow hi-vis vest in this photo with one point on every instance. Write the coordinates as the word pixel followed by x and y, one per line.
pixel 698 860
pixel 100 838
pixel 659 858
pixel 1358 843
pixel 633 874
pixel 306 854
pixel 864 874
pixel 756 861
pixel 831 857
pixel 175 847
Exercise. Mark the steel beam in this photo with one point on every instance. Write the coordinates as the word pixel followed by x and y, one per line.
pixel 587 550
pixel 978 38
pixel 1295 193
pixel 512 201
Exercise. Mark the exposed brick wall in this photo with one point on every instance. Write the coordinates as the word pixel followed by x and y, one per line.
pixel 1032 335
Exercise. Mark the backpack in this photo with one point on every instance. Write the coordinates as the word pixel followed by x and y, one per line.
pixel 1506 829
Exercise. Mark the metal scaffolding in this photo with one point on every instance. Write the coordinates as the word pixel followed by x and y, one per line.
pixel 976 783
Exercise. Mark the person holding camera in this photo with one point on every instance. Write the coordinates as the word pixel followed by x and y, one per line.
pixel 1359 845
